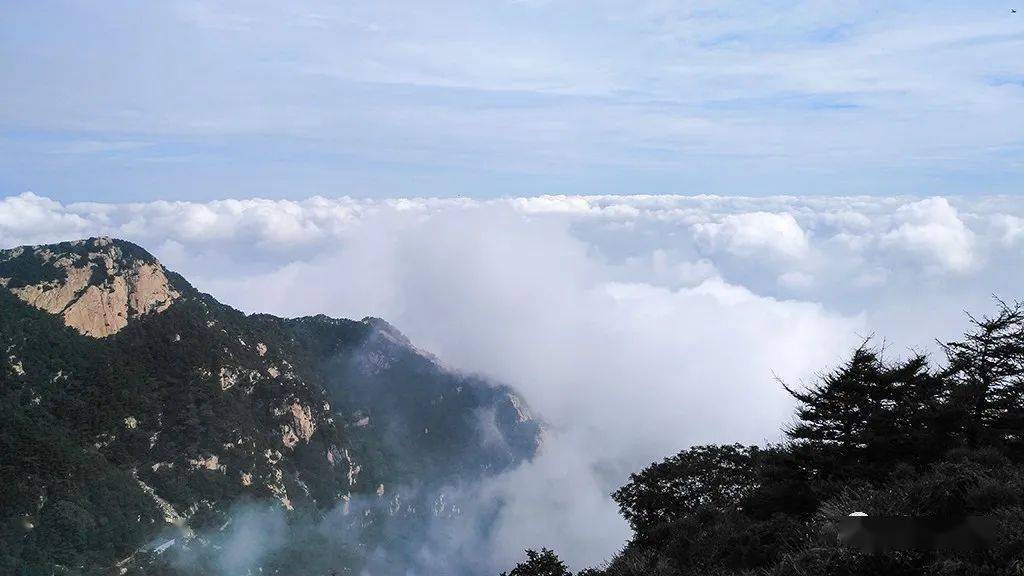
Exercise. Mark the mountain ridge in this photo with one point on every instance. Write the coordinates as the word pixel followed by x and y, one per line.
pixel 181 407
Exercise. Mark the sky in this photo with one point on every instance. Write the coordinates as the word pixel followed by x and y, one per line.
pixel 119 100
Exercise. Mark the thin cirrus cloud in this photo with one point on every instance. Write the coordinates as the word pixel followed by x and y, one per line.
pixel 397 98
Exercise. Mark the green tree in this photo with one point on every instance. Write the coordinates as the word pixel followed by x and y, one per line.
pixel 543 563
pixel 986 369
pixel 860 419
pixel 712 476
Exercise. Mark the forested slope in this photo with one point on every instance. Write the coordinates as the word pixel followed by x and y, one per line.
pixel 137 414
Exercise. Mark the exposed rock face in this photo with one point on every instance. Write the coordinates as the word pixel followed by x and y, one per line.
pixel 302 421
pixel 96 285
pixel 302 426
pixel 206 462
pixel 184 406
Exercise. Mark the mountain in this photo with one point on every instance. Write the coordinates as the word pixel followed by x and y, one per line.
pixel 137 414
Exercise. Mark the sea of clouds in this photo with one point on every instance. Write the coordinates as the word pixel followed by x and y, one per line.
pixel 634 325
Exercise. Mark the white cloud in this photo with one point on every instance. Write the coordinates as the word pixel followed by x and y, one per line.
pixel 755 234
pixel 932 229
pixel 625 372
pixel 29 218
pixel 1012 228
pixel 635 324
pixel 574 205
pixel 796 279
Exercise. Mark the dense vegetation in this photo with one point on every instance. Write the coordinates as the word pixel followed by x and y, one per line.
pixel 886 437
pixel 192 408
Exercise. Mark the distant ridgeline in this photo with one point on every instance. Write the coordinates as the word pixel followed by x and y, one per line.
pixel 136 414
pixel 941 444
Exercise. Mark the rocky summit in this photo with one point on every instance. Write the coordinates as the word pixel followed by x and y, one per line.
pixel 96 285
pixel 138 414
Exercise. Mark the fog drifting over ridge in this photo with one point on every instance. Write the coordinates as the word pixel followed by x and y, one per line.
pixel 635 325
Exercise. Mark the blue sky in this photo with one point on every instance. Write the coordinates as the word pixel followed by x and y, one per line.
pixel 112 101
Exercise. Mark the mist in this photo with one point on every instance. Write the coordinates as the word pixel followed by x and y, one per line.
pixel 634 326
pixel 624 372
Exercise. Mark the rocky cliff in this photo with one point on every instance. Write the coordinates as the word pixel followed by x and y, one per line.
pixel 95 285
pixel 137 412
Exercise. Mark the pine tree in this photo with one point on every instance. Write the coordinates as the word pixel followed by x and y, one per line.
pixel 859 419
pixel 986 369
pixel 543 563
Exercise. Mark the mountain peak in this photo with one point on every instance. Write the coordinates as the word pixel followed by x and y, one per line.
pixel 96 285
pixel 384 328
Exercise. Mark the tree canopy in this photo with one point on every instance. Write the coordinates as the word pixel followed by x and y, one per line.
pixel 889 437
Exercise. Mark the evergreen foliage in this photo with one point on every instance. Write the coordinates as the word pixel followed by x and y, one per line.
pixel 543 563
pixel 886 437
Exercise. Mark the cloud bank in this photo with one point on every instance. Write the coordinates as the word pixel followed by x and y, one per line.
pixel 636 325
